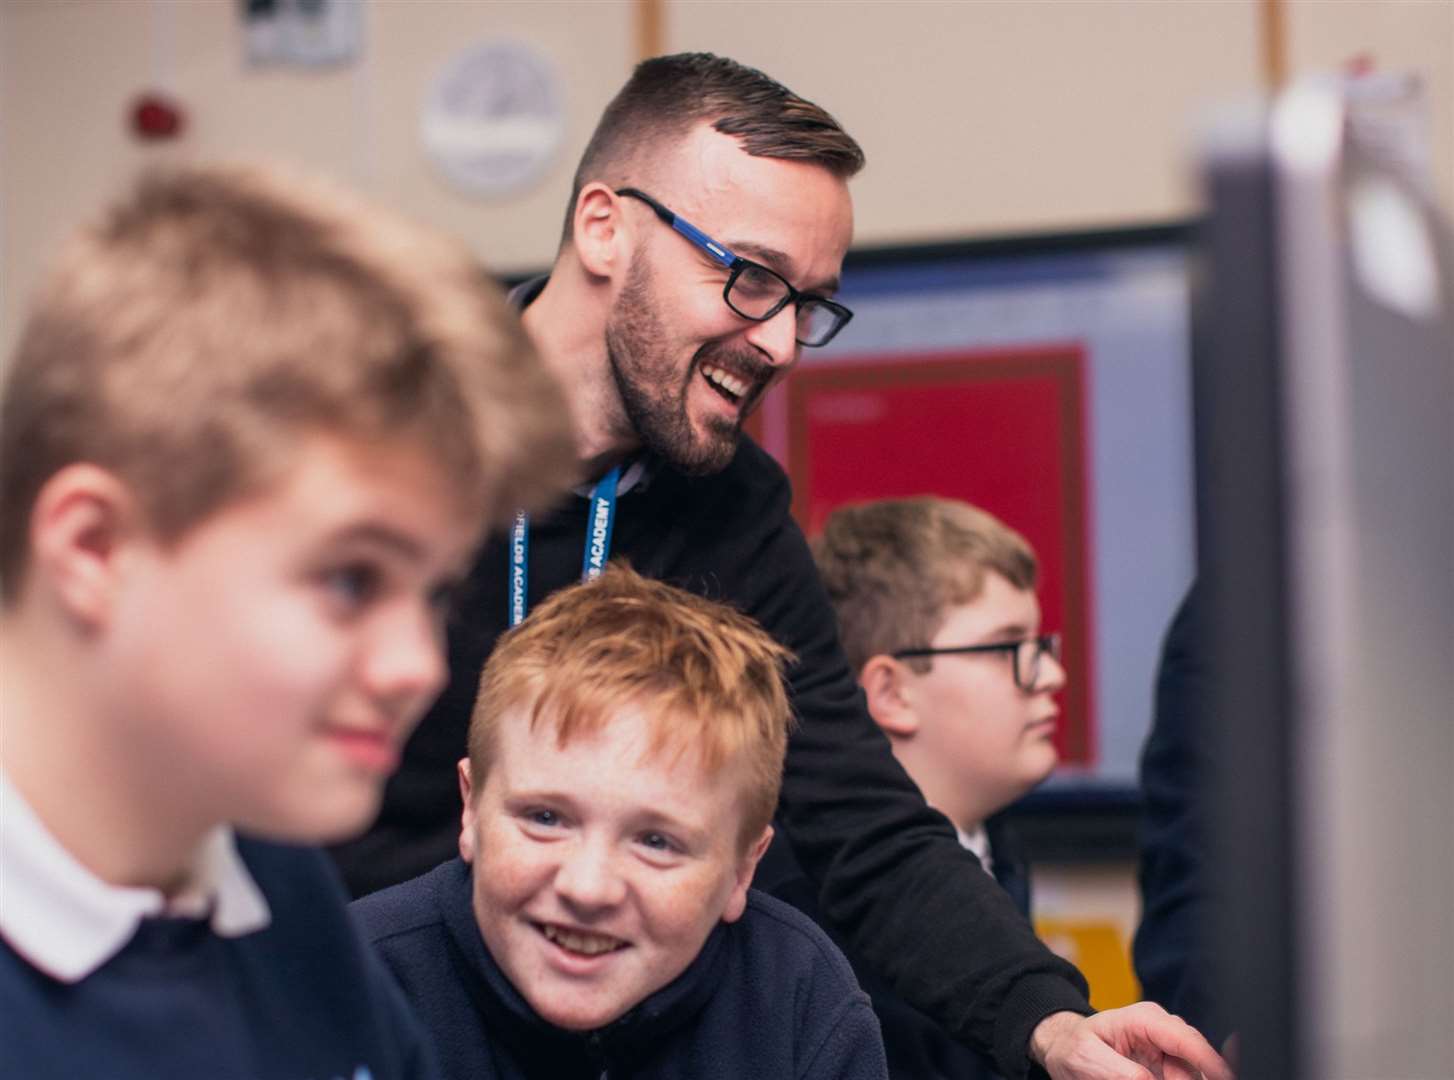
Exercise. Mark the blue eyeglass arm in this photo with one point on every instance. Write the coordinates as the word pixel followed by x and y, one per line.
pixel 703 241
pixel 686 228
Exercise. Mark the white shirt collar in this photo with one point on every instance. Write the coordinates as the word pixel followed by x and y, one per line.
pixel 67 922
pixel 978 842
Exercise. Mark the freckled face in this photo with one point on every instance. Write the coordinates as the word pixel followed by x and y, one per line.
pixel 598 872
pixel 687 369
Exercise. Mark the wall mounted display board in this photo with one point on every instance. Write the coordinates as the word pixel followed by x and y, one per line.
pixel 1047 380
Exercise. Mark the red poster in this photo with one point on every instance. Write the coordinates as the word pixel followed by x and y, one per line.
pixel 1004 430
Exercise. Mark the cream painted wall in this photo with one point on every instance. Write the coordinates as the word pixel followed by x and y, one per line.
pixel 979 116
pixel 69 70
pixel 993 117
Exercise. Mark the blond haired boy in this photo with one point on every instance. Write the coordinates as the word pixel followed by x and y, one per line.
pixel 936 607
pixel 251 433
pixel 625 756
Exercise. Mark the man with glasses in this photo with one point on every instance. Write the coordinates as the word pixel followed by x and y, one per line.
pixel 938 616
pixel 702 247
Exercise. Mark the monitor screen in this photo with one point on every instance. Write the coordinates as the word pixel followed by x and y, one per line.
pixel 1324 393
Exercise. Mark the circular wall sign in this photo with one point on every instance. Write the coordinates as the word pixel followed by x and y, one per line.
pixel 493 118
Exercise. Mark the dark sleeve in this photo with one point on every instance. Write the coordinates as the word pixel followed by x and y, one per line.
pixel 415 1052
pixel 1169 950
pixel 336 982
pixel 915 1046
pixel 851 1048
pixel 891 875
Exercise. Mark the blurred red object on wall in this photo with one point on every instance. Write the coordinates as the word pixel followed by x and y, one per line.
pixel 155 116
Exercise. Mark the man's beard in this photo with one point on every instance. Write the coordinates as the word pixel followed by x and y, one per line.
pixel 654 393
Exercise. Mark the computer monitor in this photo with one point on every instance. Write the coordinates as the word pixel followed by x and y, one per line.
pixel 1323 387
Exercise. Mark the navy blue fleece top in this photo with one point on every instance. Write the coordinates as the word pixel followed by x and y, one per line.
pixel 768 996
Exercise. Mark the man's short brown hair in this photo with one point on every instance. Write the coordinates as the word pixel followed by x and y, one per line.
pixel 667 96
pixel 217 311
pixel 708 680
pixel 893 569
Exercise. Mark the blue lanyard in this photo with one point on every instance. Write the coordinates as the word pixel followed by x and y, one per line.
pixel 519 562
pixel 600 522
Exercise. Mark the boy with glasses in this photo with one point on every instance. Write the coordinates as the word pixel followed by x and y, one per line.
pixel 936 607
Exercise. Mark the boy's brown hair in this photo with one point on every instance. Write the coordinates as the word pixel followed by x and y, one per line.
pixel 212 316
pixel 667 96
pixel 894 567
pixel 707 678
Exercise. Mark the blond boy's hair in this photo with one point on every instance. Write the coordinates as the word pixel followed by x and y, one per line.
pixel 708 680
pixel 893 569
pixel 186 339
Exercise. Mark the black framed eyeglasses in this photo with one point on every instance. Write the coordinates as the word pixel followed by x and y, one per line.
pixel 754 291
pixel 1027 654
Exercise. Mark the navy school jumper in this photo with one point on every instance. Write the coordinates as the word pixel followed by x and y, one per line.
pixel 769 996
pixel 302 999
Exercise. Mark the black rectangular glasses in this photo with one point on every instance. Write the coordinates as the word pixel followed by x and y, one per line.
pixel 1027 654
pixel 754 291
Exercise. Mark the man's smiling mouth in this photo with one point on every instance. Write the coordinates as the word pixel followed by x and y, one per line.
pixel 731 387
